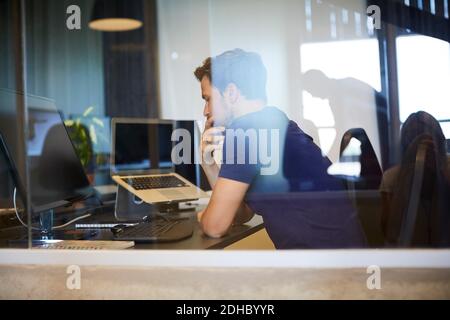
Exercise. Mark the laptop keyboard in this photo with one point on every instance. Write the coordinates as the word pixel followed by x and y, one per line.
pixel 156 182
pixel 146 230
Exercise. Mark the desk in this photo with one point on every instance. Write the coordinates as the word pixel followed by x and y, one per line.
pixel 198 241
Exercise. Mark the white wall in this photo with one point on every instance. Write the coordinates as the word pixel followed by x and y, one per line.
pixel 197 29
pixel 190 31
pixel 183 44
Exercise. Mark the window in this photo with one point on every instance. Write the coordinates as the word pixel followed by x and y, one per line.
pixel 424 77
pixel 355 64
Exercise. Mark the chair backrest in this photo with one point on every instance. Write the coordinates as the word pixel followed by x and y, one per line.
pixel 410 218
pixel 419 208
pixel 364 190
pixel 371 173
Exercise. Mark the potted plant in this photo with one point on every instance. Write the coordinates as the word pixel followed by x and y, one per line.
pixel 84 132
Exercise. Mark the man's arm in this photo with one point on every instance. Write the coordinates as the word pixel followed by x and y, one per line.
pixel 225 207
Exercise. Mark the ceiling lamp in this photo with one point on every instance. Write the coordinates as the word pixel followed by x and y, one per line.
pixel 116 15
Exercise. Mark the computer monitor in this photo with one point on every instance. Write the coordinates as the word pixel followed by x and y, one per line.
pixel 146 145
pixel 142 146
pixel 192 170
pixel 8 172
pixel 56 175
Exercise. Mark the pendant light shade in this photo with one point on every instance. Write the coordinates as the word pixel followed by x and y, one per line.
pixel 116 15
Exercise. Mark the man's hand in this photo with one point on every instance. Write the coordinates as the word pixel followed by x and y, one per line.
pixel 211 150
pixel 212 143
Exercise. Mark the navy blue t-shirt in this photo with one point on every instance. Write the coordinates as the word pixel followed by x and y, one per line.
pixel 301 204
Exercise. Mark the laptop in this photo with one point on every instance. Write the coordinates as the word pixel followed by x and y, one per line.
pixel 141 161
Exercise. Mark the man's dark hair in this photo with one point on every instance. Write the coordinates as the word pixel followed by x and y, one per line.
pixel 245 69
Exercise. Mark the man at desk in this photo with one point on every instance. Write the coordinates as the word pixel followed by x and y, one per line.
pixel 233 86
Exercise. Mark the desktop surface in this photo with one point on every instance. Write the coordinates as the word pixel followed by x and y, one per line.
pixel 198 240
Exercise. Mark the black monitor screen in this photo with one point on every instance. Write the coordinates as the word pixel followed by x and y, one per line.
pixel 56 173
pixel 142 146
pixel 6 172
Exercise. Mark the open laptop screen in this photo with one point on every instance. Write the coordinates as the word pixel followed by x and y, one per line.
pixel 142 146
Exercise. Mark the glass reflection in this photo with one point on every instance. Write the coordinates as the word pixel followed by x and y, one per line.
pixel 416 192
pixel 351 124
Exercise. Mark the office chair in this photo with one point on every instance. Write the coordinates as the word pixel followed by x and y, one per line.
pixel 420 206
pixel 364 190
pixel 371 173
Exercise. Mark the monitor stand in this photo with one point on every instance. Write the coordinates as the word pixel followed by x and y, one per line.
pixel 46 224
pixel 46 232
pixel 130 208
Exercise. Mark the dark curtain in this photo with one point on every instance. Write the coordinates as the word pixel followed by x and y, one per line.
pixel 415 18
pixel 130 64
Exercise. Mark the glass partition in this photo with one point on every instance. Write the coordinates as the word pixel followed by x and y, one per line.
pixel 14 200
pixel 328 121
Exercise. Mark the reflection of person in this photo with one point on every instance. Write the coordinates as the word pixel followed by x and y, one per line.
pixel 354 104
pixel 58 157
pixel 419 129
pixel 233 86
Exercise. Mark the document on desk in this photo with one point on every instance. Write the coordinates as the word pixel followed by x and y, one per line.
pixel 85 245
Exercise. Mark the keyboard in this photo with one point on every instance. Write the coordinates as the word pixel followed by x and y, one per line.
pixel 155 231
pixel 99 225
pixel 83 245
pixel 156 182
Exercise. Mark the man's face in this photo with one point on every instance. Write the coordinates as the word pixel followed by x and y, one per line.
pixel 215 105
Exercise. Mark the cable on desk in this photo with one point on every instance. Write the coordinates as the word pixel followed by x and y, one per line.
pixel 54 228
